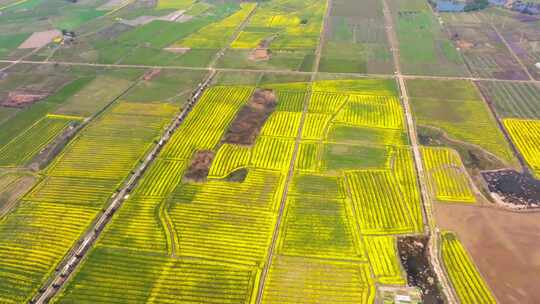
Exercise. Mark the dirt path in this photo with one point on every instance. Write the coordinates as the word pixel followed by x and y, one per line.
pixel 426 200
pixel 283 201
pixel 503 245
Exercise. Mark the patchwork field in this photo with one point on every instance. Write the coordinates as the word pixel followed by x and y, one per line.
pixel 285 32
pixel 355 40
pixel 424 46
pixel 456 108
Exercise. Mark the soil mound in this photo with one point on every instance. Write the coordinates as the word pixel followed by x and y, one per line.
pixel 200 166
pixel 514 188
pixel 21 99
pixel 414 256
pixel 250 119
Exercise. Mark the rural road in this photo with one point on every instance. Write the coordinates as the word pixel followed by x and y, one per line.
pixel 272 71
pixel 86 242
pixel 434 246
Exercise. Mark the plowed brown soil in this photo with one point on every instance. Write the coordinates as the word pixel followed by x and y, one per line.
pixel 504 245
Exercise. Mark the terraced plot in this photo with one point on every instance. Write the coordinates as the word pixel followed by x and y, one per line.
pixel 526 136
pixel 447 176
pixel 467 281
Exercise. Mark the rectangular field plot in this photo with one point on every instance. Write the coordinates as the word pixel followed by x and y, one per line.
pixel 460 114
pixel 526 136
pixel 467 281
pixel 317 227
pixel 384 259
pixel 121 276
pixel 30 142
pixel 356 39
pixel 34 238
pixel 380 208
pixel 228 159
pixel 447 177
pixel 304 280
pixel 423 44
pixel 513 100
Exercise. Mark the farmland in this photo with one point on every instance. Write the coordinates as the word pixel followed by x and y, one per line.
pixel 469 285
pixel 278 151
pixel 424 46
pixel 447 176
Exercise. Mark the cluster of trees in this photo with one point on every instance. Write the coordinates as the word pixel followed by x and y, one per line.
pixel 475 5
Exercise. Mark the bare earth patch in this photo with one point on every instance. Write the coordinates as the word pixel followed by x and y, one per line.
pixel 21 99
pixel 502 243
pixel 200 166
pixel 250 119
pixel 40 39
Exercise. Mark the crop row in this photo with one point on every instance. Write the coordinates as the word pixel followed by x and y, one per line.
pixel 317 281
pixel 34 238
pixel 319 227
pixel 216 35
pixel 202 129
pixel 446 174
pixel 384 261
pixel 308 157
pixel 161 178
pixel 316 126
pixel 121 276
pixel 326 102
pixel 227 221
pixel 228 159
pixel 290 101
pixel 272 153
pixel 374 111
pixel 517 100
pixel 282 124
pixel 526 136
pixel 74 190
pixel 467 281
pixel 380 207
pixel 30 142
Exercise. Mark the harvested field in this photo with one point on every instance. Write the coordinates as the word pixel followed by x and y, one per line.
pixel 415 259
pixel 40 39
pixel 21 99
pixel 514 188
pixel 200 166
pixel 502 244
pixel 248 122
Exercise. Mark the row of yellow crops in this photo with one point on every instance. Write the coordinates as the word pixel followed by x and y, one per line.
pixel 52 216
pixel 304 280
pixel 282 124
pixel 112 275
pixel 446 175
pixel 228 159
pixel 467 281
pixel 217 35
pixel 383 258
pixel 30 142
pixel 203 129
pixel 526 136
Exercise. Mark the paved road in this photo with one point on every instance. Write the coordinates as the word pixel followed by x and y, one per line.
pixel 281 211
pixel 275 71
pixel 426 200
pixel 76 256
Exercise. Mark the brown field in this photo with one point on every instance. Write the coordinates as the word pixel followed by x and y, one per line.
pixel 503 244
pixel 250 119
pixel 40 39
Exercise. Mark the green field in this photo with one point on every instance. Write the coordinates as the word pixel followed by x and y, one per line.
pixel 513 100
pixel 423 44
pixel 455 108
